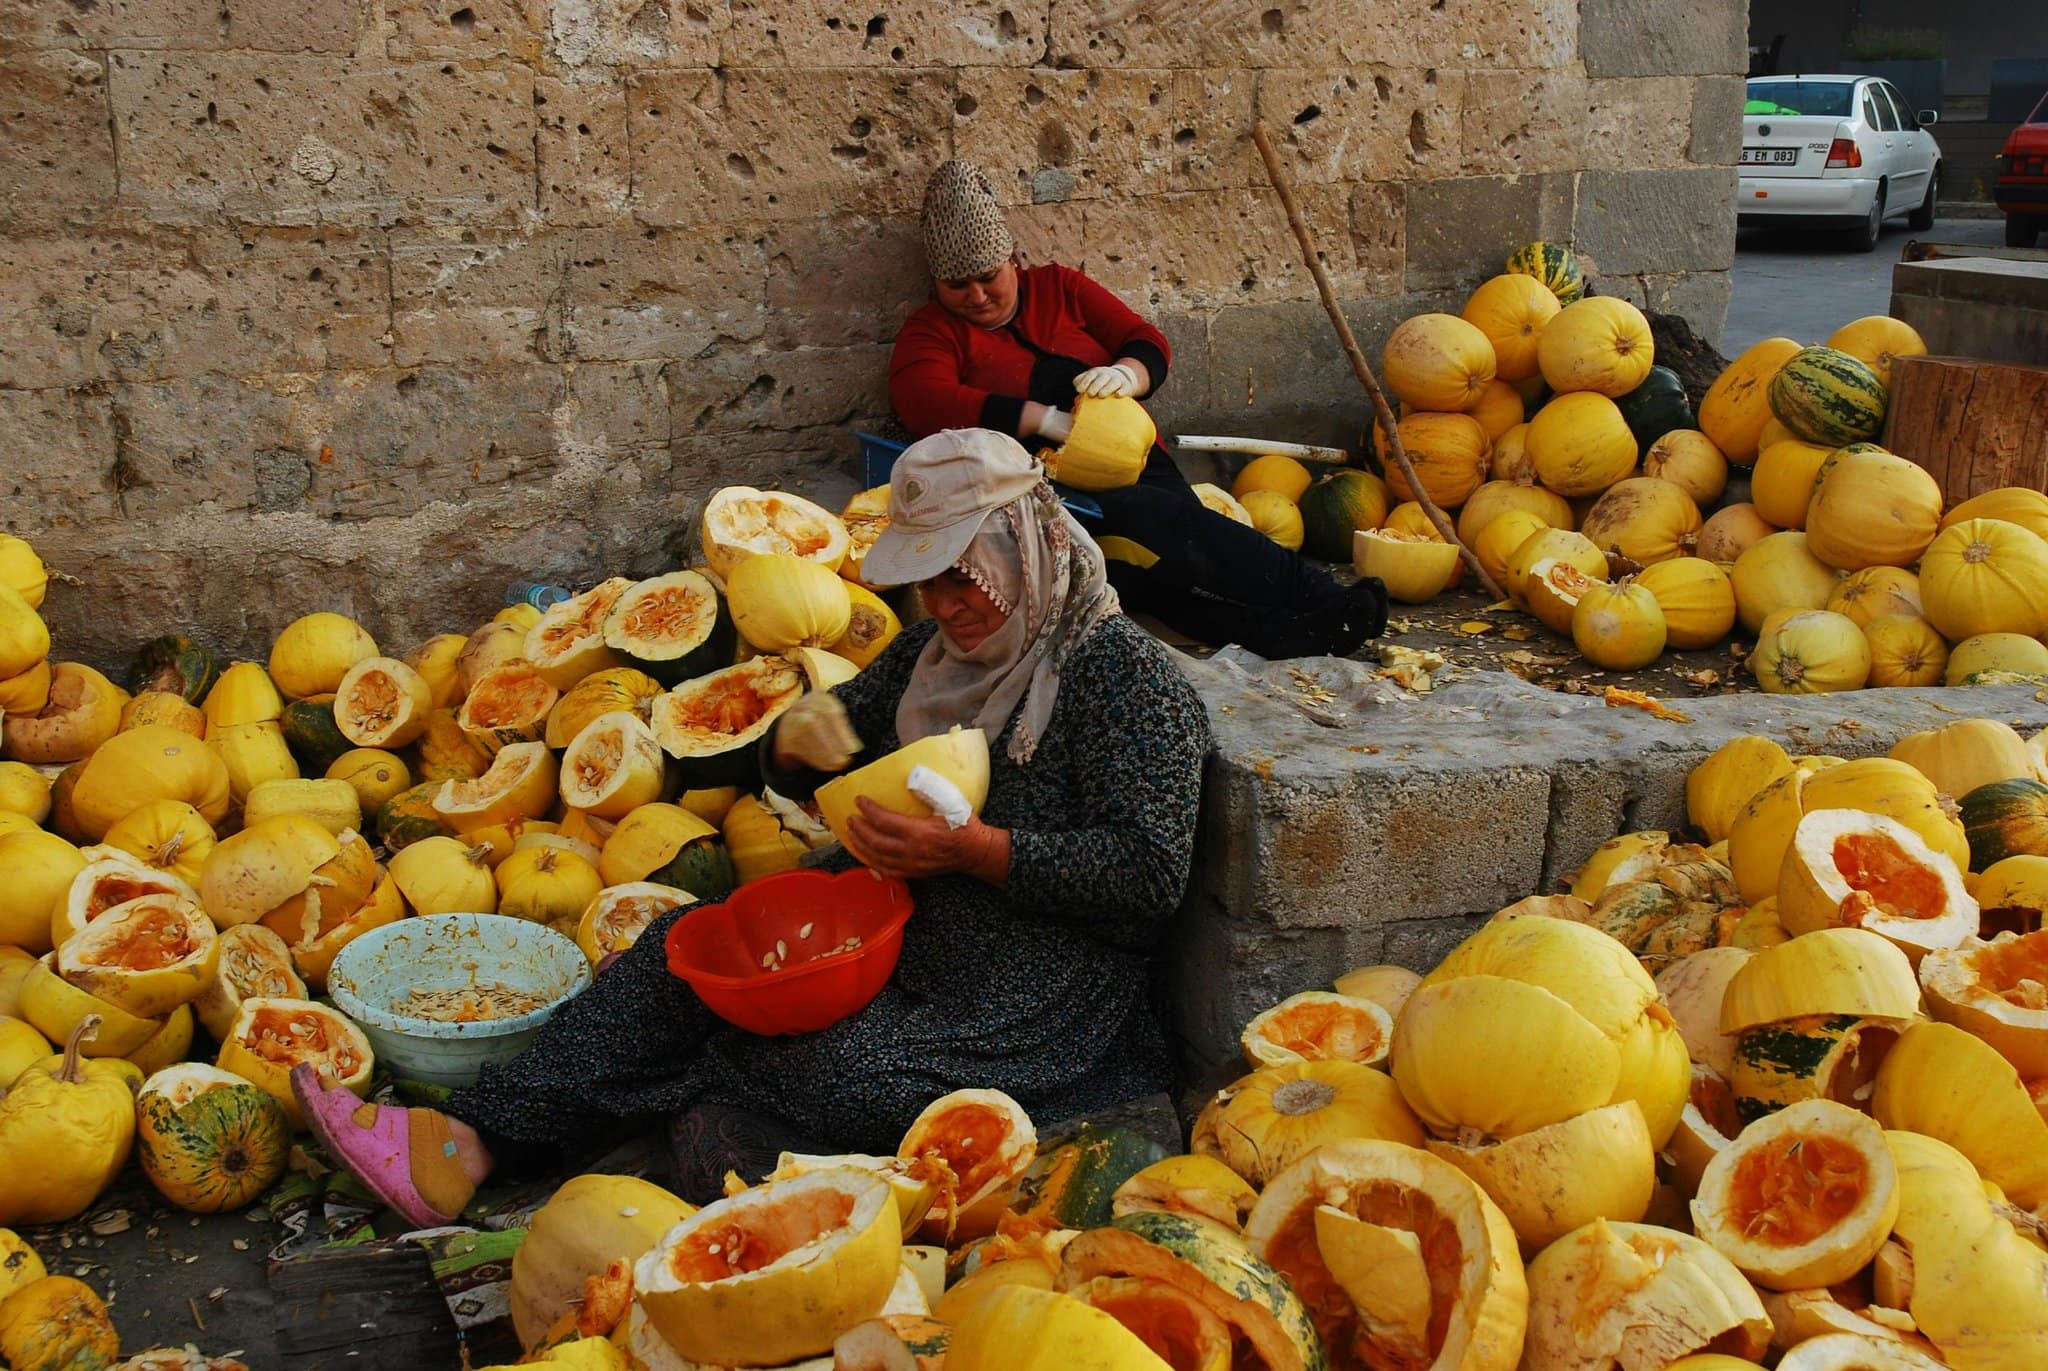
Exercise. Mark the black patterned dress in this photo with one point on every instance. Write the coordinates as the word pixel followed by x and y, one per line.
pixel 1039 989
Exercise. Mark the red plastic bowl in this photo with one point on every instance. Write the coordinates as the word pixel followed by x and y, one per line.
pixel 764 959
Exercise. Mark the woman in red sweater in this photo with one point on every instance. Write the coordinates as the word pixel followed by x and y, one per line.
pixel 1007 347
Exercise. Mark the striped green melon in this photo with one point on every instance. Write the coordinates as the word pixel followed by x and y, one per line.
pixel 1212 1265
pixel 208 1140
pixel 1828 397
pixel 1820 1058
pixel 2006 819
pixel 1553 265
pixel 310 732
pixel 1337 506
pixel 410 816
pixel 1073 1182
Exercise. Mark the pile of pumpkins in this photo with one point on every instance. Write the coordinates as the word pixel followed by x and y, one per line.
pixel 1577 471
pixel 50 1322
pixel 187 855
pixel 1768 1092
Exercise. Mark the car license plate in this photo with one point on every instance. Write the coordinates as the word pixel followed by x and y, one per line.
pixel 1769 157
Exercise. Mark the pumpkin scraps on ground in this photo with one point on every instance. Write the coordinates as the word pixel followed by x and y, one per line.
pixel 1768 1090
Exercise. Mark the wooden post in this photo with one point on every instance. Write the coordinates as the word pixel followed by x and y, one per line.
pixel 1973 426
pixel 1359 367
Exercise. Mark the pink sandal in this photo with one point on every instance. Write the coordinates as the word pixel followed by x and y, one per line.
pixel 379 1152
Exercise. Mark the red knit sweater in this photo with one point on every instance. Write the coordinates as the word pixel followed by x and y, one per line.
pixel 948 373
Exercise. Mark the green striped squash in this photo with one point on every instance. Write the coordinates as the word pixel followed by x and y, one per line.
pixel 1337 506
pixel 1073 1182
pixel 2006 819
pixel 409 816
pixel 220 1150
pixel 1820 1058
pixel 315 740
pixel 1553 265
pixel 1828 397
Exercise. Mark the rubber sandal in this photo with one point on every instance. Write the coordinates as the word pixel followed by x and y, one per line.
pixel 380 1156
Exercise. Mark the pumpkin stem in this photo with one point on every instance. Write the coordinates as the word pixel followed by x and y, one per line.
pixel 83 1032
pixel 478 854
pixel 167 854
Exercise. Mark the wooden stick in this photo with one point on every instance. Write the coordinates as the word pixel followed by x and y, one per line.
pixel 1381 409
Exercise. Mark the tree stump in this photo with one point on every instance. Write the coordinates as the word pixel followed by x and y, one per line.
pixel 1973 426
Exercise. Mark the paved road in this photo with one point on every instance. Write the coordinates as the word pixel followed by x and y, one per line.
pixel 1806 285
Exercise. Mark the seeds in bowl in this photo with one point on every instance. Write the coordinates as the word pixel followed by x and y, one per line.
pixel 469 1004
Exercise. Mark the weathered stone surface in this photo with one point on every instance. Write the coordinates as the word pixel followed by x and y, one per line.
pixel 1459 231
pixel 1717 120
pixel 435 29
pixel 1105 133
pixel 736 390
pixel 1638 121
pixel 1362 123
pixel 1277 368
pixel 114 24
pixel 1701 296
pixel 55 467
pixel 921 33
pixel 807 303
pixel 1212 121
pixel 634 293
pixel 290 25
pixel 712 147
pixel 55 153
pixel 586 174
pixel 588 36
pixel 281 139
pixel 468 299
pixel 1652 38
pixel 1522 122
pixel 1216 246
pixel 1400 33
pixel 51 308
pixel 1657 221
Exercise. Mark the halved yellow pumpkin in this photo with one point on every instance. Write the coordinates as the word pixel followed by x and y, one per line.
pixel 1386 985
pixel 1846 868
pixel 148 956
pixel 258 870
pixel 1804 1197
pixel 313 953
pixel 568 643
pixel 618 916
pixel 774 1273
pixel 1633 1295
pixel 1318 1025
pixel 988 1142
pixel 1554 589
pixel 870 625
pixel 1195 1185
pixel 867 514
pixel 507 704
pixel 1692 988
pixel 960 755
pixel 55 1008
pixel 1413 568
pixel 271 1036
pixel 613 766
pixel 254 963
pixel 1830 972
pixel 382 702
pixel 1857 1352
pixel 739 521
pixel 1943 1083
pixel 1262 1123
pixel 1595 1165
pixel 1401 1258
pixel 1996 991
pixel 521 784
pixel 111 878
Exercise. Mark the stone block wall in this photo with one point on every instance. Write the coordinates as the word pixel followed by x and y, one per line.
pixel 376 304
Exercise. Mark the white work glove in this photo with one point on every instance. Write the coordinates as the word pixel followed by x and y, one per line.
pixel 816 733
pixel 1056 425
pixel 1115 379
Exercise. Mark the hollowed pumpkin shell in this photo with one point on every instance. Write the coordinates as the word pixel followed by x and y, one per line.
pixel 1848 868
pixel 1856 1352
pixel 1202 1187
pixel 960 755
pixel 1401 1259
pixel 618 916
pixel 254 963
pixel 522 783
pixel 382 702
pixel 507 704
pixel 257 870
pixel 1692 988
pixel 870 627
pixel 1638 1298
pixel 569 641
pixel 987 1140
pixel 1941 1082
pixel 739 521
pixel 110 879
pixel 614 766
pixel 1552 544
pixel 1413 568
pixel 1996 991
pixel 1263 1122
pixel 148 956
pixel 1708 1125
pixel 1317 1025
pixel 774 1273
pixel 1554 589
pixel 54 1008
pixel 1596 1165
pixel 1174 1324
pixel 1832 971
pixel 1803 1198
pixel 270 1037
pixel 712 725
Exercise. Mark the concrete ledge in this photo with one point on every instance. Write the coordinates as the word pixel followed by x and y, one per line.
pixel 1389 833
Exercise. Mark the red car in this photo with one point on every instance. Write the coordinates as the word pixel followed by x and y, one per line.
pixel 2023 179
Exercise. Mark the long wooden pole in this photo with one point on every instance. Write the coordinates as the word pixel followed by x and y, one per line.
pixel 1381 409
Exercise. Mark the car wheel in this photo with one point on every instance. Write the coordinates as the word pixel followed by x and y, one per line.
pixel 1864 238
pixel 1923 217
pixel 2021 230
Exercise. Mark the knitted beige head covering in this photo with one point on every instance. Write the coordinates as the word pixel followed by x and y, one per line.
pixel 965 233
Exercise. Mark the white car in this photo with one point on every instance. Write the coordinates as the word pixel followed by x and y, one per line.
pixel 1835 151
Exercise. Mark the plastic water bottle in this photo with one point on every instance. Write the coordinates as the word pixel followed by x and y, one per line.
pixel 539 594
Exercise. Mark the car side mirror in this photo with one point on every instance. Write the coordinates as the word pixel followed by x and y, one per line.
pixel 1929 118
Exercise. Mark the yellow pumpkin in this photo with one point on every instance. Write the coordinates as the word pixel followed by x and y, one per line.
pixel 243 694
pixel 1437 362
pixel 1414 569
pixel 252 754
pixel 1645 519
pixel 1877 339
pixel 547 885
pixel 82 710
pixel 154 762
pixel 590 1222
pixel 1689 460
pixel 1731 531
pixel 1697 598
pixel 1985 576
pixel 54 1324
pixel 28 692
pixel 312 653
pixel 1905 650
pixel 19 1263
pixel 1946 1084
pixel 1499 409
pixel 1736 407
pixel 871 625
pixel 1874 592
pixel 1553 591
pixel 374 774
pixel 1595 1165
pixel 24 791
pixel 24 637
pixel 2022 505
pixel 1961 756
pixel 602 692
pixel 1600 344
pixel 1812 652
pixel 1280 474
pixel 1106 449
pixel 757 841
pixel 1496 498
pixel 960 755
pixel 76 1125
pixel 1502 537
pixel 1509 460
pixel 148 955
pixel 521 784
pixel 331 804
pixel 1276 516
pixel 40 868
pixel 23 569
pixel 1619 627
pixel 1718 788
pixel 442 875
pixel 1546 1061
pixel 1782 484
pixel 2013 653
pixel 1551 544
pixel 436 662
pixel 1263 1123
pixel 864 518
pixel 1512 310
pixel 1776 573
pixel 163 707
pixel 1580 444
pixel 271 1036
pixel 1872 509
pixel 1448 452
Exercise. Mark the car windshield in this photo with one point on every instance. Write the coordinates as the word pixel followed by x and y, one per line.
pixel 1822 99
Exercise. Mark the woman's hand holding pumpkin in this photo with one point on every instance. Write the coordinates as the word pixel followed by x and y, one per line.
pixel 897 845
pixel 816 733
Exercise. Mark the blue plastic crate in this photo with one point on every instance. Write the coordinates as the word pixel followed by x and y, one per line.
pixel 878 458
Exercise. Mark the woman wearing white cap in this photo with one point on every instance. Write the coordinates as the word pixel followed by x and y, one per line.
pixel 1007 347
pixel 1026 967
